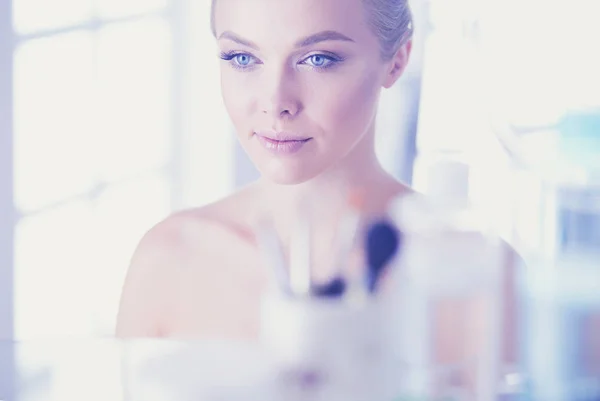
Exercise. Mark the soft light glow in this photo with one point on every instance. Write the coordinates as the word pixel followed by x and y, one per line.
pixel 123 8
pixel 53 99
pixel 35 15
pixel 52 272
pixel 132 125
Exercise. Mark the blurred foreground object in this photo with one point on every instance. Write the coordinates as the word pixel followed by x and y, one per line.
pixel 560 288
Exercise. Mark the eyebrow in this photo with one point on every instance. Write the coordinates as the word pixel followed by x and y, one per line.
pixel 237 39
pixel 318 37
pixel 323 36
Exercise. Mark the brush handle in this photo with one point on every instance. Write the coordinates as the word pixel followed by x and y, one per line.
pixel 372 280
pixel 300 268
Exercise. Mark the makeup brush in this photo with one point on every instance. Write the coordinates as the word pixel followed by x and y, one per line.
pixel 300 257
pixel 382 242
pixel 347 230
pixel 270 247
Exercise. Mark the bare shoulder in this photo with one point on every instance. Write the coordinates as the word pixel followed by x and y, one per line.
pixel 182 234
pixel 181 244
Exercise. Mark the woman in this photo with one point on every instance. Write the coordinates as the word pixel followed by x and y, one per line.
pixel 301 80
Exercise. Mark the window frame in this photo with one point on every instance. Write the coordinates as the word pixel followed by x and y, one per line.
pixel 7 212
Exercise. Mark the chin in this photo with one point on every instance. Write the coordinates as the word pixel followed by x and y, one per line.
pixel 290 169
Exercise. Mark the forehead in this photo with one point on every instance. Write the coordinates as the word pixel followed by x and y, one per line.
pixel 282 22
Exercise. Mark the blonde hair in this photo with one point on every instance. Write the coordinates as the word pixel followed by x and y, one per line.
pixel 390 20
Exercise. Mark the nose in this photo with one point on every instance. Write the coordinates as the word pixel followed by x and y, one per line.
pixel 281 96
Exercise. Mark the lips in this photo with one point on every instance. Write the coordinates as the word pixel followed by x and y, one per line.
pixel 284 143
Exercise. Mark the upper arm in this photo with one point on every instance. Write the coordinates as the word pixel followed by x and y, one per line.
pixel 148 289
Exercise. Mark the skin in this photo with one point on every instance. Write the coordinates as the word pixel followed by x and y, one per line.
pixel 198 274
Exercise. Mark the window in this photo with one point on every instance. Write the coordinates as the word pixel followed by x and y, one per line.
pixel 115 127
pixel 30 16
pixel 108 123
pixel 94 160
pixel 478 62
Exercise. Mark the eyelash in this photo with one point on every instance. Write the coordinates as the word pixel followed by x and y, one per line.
pixel 332 60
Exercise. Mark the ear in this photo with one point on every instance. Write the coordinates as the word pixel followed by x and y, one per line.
pixel 397 65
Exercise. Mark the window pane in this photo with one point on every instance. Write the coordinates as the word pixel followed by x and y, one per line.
pixel 123 214
pixel 52 253
pixel 450 104
pixel 70 262
pixel 34 15
pixel 134 87
pixel 209 153
pixel 536 86
pixel 123 8
pixel 52 95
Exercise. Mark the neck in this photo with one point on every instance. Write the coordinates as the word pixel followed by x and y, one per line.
pixel 325 198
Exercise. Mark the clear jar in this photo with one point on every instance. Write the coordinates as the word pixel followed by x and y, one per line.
pixel 331 348
pixel 449 286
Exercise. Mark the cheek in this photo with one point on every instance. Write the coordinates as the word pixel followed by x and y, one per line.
pixel 349 107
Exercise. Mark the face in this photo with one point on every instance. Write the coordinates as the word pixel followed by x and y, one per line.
pixel 301 81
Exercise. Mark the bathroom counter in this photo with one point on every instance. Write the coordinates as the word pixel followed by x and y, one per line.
pixel 152 370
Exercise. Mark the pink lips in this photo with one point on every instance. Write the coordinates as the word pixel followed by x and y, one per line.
pixel 281 142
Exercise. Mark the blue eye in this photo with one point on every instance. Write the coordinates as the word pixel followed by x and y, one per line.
pixel 239 60
pixel 242 59
pixel 246 61
pixel 318 60
pixel 321 61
